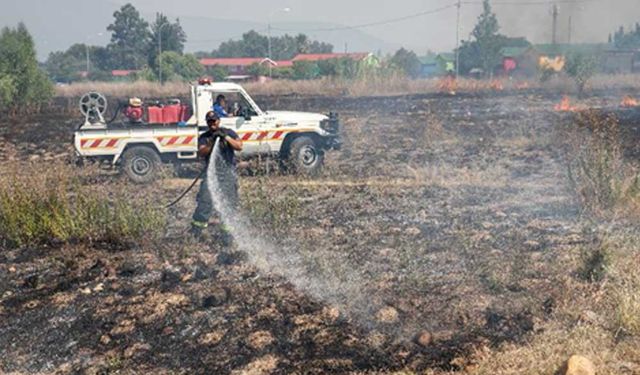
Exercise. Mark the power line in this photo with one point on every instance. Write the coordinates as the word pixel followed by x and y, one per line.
pixel 377 23
pixel 525 3
pixel 224 39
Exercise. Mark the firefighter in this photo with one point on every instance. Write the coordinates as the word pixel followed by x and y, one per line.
pixel 229 142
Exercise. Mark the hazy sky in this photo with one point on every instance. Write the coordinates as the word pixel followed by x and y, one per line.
pixel 592 20
pixel 56 24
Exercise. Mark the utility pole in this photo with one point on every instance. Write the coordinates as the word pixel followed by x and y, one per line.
pixel 459 5
pixel 86 46
pixel 554 37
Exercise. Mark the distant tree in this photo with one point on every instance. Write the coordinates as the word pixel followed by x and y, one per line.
pixel 22 82
pixel 62 67
pixel 257 70
pixel 177 67
pixel 305 70
pixel 65 66
pixel 217 72
pixel 408 62
pixel 472 54
pixel 581 68
pixel 170 35
pixel 626 40
pixel 342 67
pixel 129 38
pixel 489 42
pixel 254 44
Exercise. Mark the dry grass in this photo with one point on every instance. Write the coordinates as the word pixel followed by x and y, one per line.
pixel 371 86
pixel 125 89
pixel 604 183
pixel 46 202
pixel 600 321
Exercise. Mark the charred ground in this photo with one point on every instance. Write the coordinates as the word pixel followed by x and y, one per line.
pixel 444 214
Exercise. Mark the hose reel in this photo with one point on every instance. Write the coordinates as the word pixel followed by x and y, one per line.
pixel 93 106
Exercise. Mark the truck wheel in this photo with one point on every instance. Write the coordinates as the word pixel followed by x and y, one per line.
pixel 305 157
pixel 141 164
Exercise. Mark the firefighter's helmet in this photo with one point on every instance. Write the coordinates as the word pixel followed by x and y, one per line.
pixel 211 116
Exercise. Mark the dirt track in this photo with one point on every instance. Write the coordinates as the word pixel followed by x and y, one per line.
pixel 452 213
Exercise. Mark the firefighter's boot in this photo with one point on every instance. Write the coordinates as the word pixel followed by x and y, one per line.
pixel 199 231
pixel 226 239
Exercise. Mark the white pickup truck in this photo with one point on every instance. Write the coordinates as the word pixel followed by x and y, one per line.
pixel 141 142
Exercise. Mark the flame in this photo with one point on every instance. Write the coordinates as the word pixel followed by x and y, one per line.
pixel 566 106
pixel 448 84
pixel 522 86
pixel 628 101
pixel 496 85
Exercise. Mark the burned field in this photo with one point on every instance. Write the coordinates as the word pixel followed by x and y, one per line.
pixel 445 226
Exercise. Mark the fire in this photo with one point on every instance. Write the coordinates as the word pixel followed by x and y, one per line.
pixel 629 101
pixel 522 86
pixel 448 84
pixel 496 85
pixel 566 106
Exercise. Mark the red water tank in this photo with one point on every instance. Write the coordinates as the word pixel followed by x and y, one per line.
pixel 185 112
pixel 171 113
pixel 155 115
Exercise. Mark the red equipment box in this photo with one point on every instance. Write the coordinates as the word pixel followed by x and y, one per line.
pixel 155 115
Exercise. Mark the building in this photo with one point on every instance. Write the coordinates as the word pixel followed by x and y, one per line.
pixel 237 66
pixel 433 65
pixel 358 56
pixel 519 61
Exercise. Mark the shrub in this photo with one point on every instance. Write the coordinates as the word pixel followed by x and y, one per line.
pixel 581 68
pixel 50 204
pixel 597 171
pixel 275 213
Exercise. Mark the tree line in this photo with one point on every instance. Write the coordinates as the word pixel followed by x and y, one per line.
pixel 23 84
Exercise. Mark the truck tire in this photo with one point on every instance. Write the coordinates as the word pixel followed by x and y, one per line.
pixel 305 157
pixel 141 164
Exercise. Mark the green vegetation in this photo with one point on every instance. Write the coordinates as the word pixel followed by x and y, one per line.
pixel 50 204
pixel 626 40
pixel 407 62
pixel 134 46
pixel 602 180
pixel 22 83
pixel 484 50
pixel 274 213
pixel 255 44
pixel 581 68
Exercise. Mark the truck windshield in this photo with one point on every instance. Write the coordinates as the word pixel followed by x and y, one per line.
pixel 236 102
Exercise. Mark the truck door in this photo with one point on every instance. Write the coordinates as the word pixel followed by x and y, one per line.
pixel 248 124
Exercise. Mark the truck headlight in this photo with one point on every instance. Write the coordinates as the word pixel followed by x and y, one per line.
pixel 332 124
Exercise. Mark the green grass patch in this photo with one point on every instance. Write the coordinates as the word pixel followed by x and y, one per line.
pixel 50 203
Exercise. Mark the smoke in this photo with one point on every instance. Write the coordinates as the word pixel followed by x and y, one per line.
pixel 582 22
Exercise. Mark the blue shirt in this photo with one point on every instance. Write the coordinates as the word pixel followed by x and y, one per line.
pixel 217 108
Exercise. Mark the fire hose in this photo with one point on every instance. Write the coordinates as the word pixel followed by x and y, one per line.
pixel 204 170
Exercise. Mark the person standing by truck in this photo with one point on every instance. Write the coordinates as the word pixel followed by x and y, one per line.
pixel 229 143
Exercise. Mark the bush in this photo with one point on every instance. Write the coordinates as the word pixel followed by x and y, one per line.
pixel 49 204
pixel 597 171
pixel 581 68
pixel 177 67
pixel 408 62
pixel 305 70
